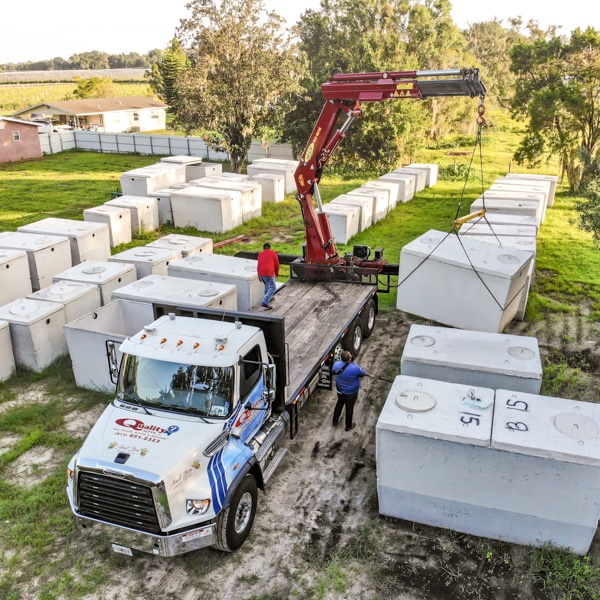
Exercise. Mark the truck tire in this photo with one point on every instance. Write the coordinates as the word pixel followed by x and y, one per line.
pixel 354 336
pixel 235 522
pixel 368 317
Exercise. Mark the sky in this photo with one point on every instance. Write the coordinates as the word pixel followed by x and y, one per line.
pixel 67 27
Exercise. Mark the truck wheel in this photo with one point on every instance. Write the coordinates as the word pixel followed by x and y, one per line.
pixel 235 522
pixel 368 317
pixel 354 336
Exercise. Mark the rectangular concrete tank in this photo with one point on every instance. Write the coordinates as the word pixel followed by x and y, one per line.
pixel 251 193
pixel 7 358
pixel 273 186
pixel 185 244
pixel 420 174
pixel 87 337
pixel 89 241
pixel 463 283
pixel 521 208
pixel 365 205
pixel 203 170
pixel 108 276
pixel 549 489
pixel 406 184
pixel 260 167
pixel 36 331
pixel 504 219
pixel 163 199
pixel 553 179
pixel 15 279
pixel 46 255
pixel 220 268
pixel 492 360
pixel 519 196
pixel 117 219
pixel 343 220
pixel 177 291
pixel 143 211
pixel 431 169
pixel 484 228
pixel 392 186
pixel 206 209
pixel 380 197
pixel 77 298
pixel 144 180
pixel 147 261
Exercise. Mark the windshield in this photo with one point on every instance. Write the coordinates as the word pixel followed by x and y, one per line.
pixel 199 390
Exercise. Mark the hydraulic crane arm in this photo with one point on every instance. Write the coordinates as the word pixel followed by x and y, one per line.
pixel 343 94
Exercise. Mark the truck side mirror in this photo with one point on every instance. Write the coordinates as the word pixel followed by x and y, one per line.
pixel 113 364
pixel 269 377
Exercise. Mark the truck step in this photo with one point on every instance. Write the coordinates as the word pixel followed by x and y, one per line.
pixel 273 464
pixel 271 439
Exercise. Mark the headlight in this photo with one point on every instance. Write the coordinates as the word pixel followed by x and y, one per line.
pixel 196 507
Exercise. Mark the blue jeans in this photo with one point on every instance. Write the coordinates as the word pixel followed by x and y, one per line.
pixel 269 283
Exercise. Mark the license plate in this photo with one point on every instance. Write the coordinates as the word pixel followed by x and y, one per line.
pixel 122 550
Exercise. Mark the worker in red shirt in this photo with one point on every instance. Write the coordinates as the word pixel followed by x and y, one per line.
pixel 268 270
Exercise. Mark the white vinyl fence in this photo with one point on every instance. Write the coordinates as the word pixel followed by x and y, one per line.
pixel 166 145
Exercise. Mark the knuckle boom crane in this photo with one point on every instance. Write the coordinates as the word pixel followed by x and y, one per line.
pixel 344 94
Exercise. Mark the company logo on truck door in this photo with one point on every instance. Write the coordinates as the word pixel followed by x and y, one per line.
pixel 145 431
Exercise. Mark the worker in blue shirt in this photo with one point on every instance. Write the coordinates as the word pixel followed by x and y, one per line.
pixel 347 383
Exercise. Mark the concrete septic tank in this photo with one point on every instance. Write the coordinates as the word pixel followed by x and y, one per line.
pixel 206 209
pixel 406 182
pixel 251 193
pixel 392 186
pixel 548 482
pixel 46 254
pixel 194 167
pixel 234 176
pixel 163 200
pixel 147 261
pixel 108 276
pixel 177 291
pixel 258 167
pixel 89 241
pixel 143 211
pixel 518 196
pixel 36 331
pixel 553 179
pixel 390 194
pixel 273 186
pixel 463 283
pixel 219 268
pixel 381 200
pixel 77 298
pixel 497 218
pixel 343 220
pixel 15 279
pixel 420 174
pixel 431 169
pixel 365 205
pixel 7 358
pixel 492 360
pixel 144 180
pixel 184 244
pixel 428 437
pixel 87 339
pixel 117 219
pixel 481 228
pixel 203 170
pixel 521 208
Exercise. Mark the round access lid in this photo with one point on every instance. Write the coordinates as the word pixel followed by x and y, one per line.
pixel 430 240
pixel 145 253
pixel 414 401
pixel 142 283
pixel 576 426
pixel 178 241
pixel 62 289
pixel 508 259
pixel 422 340
pixel 25 308
pixel 94 270
pixel 521 353
pixel 206 293
pixel 250 268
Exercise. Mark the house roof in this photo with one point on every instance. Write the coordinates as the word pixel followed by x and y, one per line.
pixel 20 121
pixel 92 106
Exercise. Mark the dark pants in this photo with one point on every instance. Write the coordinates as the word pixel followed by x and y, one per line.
pixel 347 400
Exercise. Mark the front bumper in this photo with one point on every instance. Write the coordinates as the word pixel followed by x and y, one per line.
pixel 161 545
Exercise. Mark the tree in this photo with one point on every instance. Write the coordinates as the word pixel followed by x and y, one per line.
pixel 166 71
pixel 243 70
pixel 373 36
pixel 95 87
pixel 89 60
pixel 557 91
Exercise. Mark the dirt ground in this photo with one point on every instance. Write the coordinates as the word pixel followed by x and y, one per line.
pixel 318 532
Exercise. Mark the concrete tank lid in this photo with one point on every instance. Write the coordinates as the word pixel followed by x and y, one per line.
pixel 439 410
pixel 8 254
pixel 547 427
pixel 64 289
pixel 481 351
pixel 26 310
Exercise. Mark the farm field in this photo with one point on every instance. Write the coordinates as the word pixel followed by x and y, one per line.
pixel 318 533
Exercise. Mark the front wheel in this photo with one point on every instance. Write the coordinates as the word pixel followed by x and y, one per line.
pixel 235 522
